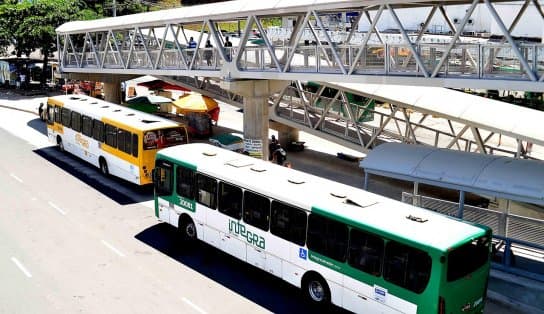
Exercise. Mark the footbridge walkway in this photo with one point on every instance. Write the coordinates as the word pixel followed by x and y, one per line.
pixel 157 43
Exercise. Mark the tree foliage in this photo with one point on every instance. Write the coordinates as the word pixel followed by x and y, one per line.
pixel 30 25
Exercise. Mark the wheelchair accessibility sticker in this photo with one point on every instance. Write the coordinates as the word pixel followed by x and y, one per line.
pixel 303 253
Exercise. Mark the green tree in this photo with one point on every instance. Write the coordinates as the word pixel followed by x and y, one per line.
pixel 30 25
pixel 121 7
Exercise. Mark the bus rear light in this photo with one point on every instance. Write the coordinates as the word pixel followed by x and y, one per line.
pixel 441 305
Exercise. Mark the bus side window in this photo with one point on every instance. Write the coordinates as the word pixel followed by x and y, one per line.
pixel 407 267
pixel 65 117
pixel 135 144
pixel 327 237
pixel 288 223
pixel 163 178
pixel 98 130
pixel 366 252
pixel 124 141
pixel 87 126
pixel 230 200
pixel 256 210
pixel 185 182
pixel 207 191
pixel 76 121
pixel 111 135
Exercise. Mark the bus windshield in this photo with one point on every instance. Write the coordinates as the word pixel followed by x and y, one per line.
pixel 164 138
pixel 466 259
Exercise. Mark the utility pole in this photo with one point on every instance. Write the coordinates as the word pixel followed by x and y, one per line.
pixel 114 8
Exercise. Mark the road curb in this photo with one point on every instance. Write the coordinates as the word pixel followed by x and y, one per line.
pixel 18 109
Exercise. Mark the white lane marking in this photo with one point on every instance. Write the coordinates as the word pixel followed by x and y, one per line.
pixel 21 267
pixel 16 177
pixel 194 306
pixel 57 208
pixel 111 247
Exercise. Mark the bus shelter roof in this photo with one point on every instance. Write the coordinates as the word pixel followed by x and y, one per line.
pixel 499 176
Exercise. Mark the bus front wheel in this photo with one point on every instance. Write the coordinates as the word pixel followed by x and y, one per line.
pixel 316 289
pixel 104 167
pixel 187 228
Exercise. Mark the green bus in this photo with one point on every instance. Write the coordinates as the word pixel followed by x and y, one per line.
pixel 340 244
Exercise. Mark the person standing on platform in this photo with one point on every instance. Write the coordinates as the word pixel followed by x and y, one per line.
pixel 208 53
pixel 228 46
pixel 272 147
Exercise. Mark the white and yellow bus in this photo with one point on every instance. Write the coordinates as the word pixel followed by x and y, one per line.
pixel 120 141
pixel 340 244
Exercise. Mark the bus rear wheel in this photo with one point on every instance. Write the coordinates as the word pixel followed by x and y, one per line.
pixel 316 289
pixel 104 167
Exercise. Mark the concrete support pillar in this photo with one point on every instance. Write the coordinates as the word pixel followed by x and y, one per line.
pixel 255 93
pixel 112 91
pixel 111 83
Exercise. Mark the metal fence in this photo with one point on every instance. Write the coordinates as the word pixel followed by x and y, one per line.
pixel 518 241
pixel 521 228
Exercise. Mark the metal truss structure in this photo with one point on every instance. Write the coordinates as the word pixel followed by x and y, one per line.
pixel 364 123
pixel 157 44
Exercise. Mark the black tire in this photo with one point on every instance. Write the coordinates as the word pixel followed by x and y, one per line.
pixel 104 167
pixel 316 290
pixel 187 228
pixel 60 144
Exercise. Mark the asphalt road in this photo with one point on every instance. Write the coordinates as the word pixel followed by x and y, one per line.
pixel 72 241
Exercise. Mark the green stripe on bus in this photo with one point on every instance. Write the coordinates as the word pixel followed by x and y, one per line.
pixel 392 236
pixel 369 228
pixel 345 269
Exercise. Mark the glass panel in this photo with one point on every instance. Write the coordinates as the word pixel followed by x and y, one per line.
pixel 366 252
pixel 207 191
pixel 256 210
pixel 87 126
pixel 98 130
pixel 407 267
pixel 288 223
pixel 468 258
pixel 135 144
pixel 327 237
pixel 111 135
pixel 162 178
pixel 230 200
pixel 185 182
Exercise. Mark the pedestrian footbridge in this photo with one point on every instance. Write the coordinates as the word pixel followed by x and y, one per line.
pixel 312 48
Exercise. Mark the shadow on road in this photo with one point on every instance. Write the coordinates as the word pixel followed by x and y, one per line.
pixel 38 125
pixel 246 280
pixel 120 191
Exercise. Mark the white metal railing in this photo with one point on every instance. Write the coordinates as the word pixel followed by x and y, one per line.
pixel 466 60
pixel 503 224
